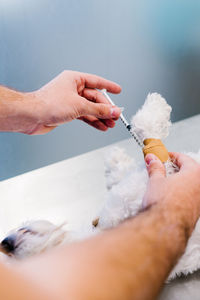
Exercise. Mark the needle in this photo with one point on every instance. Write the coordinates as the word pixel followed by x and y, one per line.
pixel 123 119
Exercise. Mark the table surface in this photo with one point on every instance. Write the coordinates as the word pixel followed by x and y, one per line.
pixel 72 190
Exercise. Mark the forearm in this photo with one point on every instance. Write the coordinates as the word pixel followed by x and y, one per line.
pixel 132 260
pixel 17 110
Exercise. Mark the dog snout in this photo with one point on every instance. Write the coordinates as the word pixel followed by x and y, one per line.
pixel 8 244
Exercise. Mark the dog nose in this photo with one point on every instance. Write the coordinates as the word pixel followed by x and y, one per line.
pixel 8 244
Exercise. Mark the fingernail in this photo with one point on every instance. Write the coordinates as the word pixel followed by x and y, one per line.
pixel 149 159
pixel 122 109
pixel 115 111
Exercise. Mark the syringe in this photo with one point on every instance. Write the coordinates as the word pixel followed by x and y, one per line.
pixel 124 121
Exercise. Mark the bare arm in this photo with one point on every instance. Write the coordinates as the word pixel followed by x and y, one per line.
pixel 130 262
pixel 133 260
pixel 71 95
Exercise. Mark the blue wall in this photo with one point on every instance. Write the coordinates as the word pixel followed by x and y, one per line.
pixel 143 45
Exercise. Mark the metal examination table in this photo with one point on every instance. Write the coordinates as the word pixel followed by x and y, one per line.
pixel 73 190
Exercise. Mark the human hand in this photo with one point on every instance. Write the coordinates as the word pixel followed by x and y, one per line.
pixel 180 192
pixel 73 95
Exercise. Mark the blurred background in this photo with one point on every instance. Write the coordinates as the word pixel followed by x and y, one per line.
pixel 145 46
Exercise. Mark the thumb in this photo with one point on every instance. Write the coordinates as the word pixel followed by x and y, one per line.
pixel 101 111
pixel 154 166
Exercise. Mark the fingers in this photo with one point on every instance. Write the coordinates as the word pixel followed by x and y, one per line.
pixel 97 97
pixel 94 96
pixel 108 122
pixel 96 82
pixel 181 160
pixel 156 171
pixel 99 110
pixel 154 166
pixel 94 122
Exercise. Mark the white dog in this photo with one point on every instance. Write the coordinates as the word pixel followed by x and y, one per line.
pixel 126 183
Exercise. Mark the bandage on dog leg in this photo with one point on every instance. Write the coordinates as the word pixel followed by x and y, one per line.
pixel 156 147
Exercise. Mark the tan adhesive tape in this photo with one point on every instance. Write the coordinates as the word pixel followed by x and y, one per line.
pixel 156 147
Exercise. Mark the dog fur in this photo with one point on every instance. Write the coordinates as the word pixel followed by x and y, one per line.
pixel 126 182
